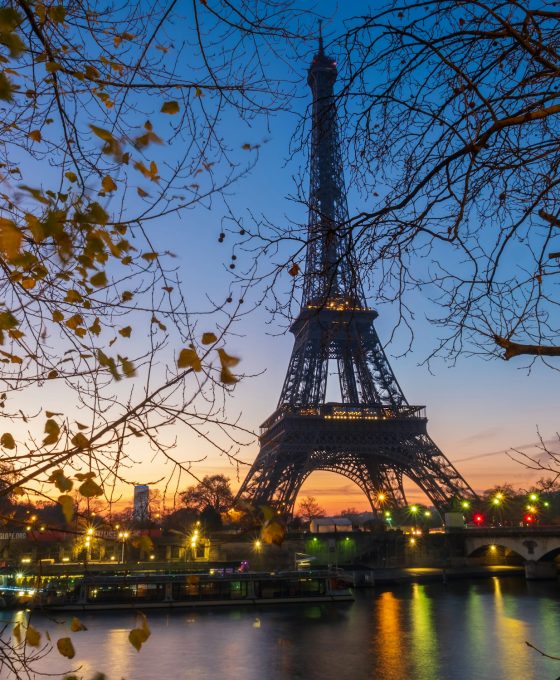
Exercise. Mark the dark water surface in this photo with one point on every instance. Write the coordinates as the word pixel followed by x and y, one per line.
pixel 459 631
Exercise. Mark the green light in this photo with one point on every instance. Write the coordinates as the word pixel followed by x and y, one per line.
pixel 427 513
pixel 465 505
pixel 413 509
pixel 533 497
pixel 388 515
pixel 546 504
pixel 314 538
pixel 496 501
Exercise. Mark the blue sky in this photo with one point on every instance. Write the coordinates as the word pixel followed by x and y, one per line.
pixel 475 406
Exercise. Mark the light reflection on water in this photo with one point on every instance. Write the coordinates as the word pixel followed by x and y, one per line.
pixel 458 631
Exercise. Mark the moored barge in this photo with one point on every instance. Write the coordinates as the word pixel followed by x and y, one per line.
pixel 152 591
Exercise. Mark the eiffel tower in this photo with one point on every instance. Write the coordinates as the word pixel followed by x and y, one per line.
pixel 372 435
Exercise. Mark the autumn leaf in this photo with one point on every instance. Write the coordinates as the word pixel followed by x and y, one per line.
pixel 71 176
pixel 105 135
pixel 170 107
pixel 99 280
pixel 128 367
pixel 52 430
pixel 227 377
pixel 32 636
pixel 61 482
pixel 7 441
pixel 208 338
pixel 294 269
pixel 273 532
pixel 141 192
pixel 90 489
pixel 17 632
pixel 35 135
pixel 188 358
pixel 80 441
pixel 10 238
pixel 226 359
pixel 66 648
pixel 67 505
pixel 138 636
pixel 126 331
pixel 76 625
pixel 108 184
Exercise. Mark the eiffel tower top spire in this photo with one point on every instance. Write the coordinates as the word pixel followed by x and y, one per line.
pixel 330 277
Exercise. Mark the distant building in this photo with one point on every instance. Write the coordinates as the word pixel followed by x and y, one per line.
pixel 324 525
pixel 141 508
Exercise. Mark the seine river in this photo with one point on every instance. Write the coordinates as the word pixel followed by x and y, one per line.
pixel 459 631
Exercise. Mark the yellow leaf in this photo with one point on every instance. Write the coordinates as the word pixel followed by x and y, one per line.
pixel 127 296
pixel 226 359
pixel 28 283
pixel 17 632
pixel 208 338
pixel 98 280
pixel 128 367
pixel 67 504
pixel 71 176
pixel 108 184
pixel 7 441
pixel 89 489
pixel 66 648
pixel 149 257
pixel 140 634
pixel 95 327
pixel 10 238
pixel 105 135
pixel 188 358
pixel 61 482
pixel 72 296
pixel 35 135
pixel 58 316
pixel 198 92
pixel 76 625
pixel 80 440
pixel 126 331
pixel 52 66
pixel 141 192
pixel 32 636
pixel 273 531
pixel 81 476
pixel 53 430
pixel 18 491
pixel 227 377
pixel 170 107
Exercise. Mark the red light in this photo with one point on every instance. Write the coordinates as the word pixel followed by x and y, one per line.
pixel 529 518
pixel 478 518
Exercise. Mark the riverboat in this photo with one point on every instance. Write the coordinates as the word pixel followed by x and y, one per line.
pixel 152 591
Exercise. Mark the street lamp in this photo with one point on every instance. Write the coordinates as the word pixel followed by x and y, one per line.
pixel 123 535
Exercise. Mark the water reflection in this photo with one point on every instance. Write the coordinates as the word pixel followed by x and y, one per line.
pixel 456 631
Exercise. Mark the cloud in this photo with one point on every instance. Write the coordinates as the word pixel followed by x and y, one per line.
pixel 549 443
pixel 482 434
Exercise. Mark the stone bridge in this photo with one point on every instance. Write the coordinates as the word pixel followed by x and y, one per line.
pixel 538 546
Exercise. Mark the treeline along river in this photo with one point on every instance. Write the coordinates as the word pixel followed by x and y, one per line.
pixel 461 630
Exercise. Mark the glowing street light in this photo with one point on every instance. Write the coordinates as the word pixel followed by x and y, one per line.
pixel 533 497
pixel 413 509
pixel 123 535
pixel 465 505
pixel 496 501
pixel 381 497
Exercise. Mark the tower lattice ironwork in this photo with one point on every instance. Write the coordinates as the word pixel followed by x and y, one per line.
pixel 371 435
